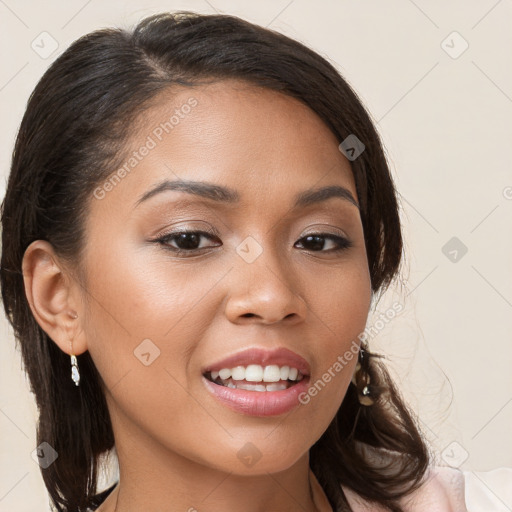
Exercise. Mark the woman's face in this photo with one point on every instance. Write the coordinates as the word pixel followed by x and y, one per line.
pixel 157 320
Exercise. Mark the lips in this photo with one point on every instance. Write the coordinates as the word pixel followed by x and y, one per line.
pixel 270 398
pixel 263 357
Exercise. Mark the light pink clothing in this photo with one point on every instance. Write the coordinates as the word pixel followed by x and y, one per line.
pixel 442 491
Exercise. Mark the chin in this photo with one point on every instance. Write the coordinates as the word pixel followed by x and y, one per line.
pixel 259 458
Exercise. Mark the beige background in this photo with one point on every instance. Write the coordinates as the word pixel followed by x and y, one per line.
pixel 445 115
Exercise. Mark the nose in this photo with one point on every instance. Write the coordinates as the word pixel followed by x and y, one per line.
pixel 264 291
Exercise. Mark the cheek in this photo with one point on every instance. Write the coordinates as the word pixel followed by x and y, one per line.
pixel 144 296
pixel 144 318
pixel 341 312
pixel 341 301
pixel 145 322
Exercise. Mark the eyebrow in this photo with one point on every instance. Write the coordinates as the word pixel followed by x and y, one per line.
pixel 227 195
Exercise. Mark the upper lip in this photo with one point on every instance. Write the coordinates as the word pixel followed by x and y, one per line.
pixel 264 357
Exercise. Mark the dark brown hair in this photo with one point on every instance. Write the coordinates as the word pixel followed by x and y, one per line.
pixel 72 137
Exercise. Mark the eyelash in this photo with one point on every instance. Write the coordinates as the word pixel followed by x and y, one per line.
pixel 342 242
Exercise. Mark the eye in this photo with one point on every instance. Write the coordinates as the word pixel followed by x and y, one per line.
pixel 316 240
pixel 187 242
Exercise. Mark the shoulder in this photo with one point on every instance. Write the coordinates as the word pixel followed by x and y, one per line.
pixel 489 490
pixel 442 490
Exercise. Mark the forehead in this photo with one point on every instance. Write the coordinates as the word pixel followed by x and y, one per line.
pixel 229 132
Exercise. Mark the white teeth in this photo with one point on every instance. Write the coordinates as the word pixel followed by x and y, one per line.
pixel 238 373
pixel 256 387
pixel 251 387
pixel 284 372
pixel 276 387
pixel 257 373
pixel 271 373
pixel 254 373
pixel 225 373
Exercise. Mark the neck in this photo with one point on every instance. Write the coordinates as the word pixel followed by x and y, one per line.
pixel 154 478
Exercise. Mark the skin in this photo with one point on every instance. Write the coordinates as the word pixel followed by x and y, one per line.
pixel 176 444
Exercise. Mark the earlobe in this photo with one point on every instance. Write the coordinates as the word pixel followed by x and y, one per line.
pixel 49 294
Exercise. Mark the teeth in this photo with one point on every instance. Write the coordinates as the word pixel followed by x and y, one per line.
pixel 225 373
pixel 271 373
pixel 238 373
pixel 276 387
pixel 255 387
pixel 293 374
pixel 253 373
pixel 251 387
pixel 284 372
pixel 257 373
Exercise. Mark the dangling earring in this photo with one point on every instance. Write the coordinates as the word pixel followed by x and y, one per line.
pixel 75 375
pixel 360 376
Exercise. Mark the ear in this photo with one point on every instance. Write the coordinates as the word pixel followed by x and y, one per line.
pixel 53 296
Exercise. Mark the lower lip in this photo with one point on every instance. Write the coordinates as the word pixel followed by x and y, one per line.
pixel 259 403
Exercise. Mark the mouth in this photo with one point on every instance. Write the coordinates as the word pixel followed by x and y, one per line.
pixel 256 377
pixel 258 382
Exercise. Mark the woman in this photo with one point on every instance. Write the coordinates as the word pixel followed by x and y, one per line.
pixel 198 219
